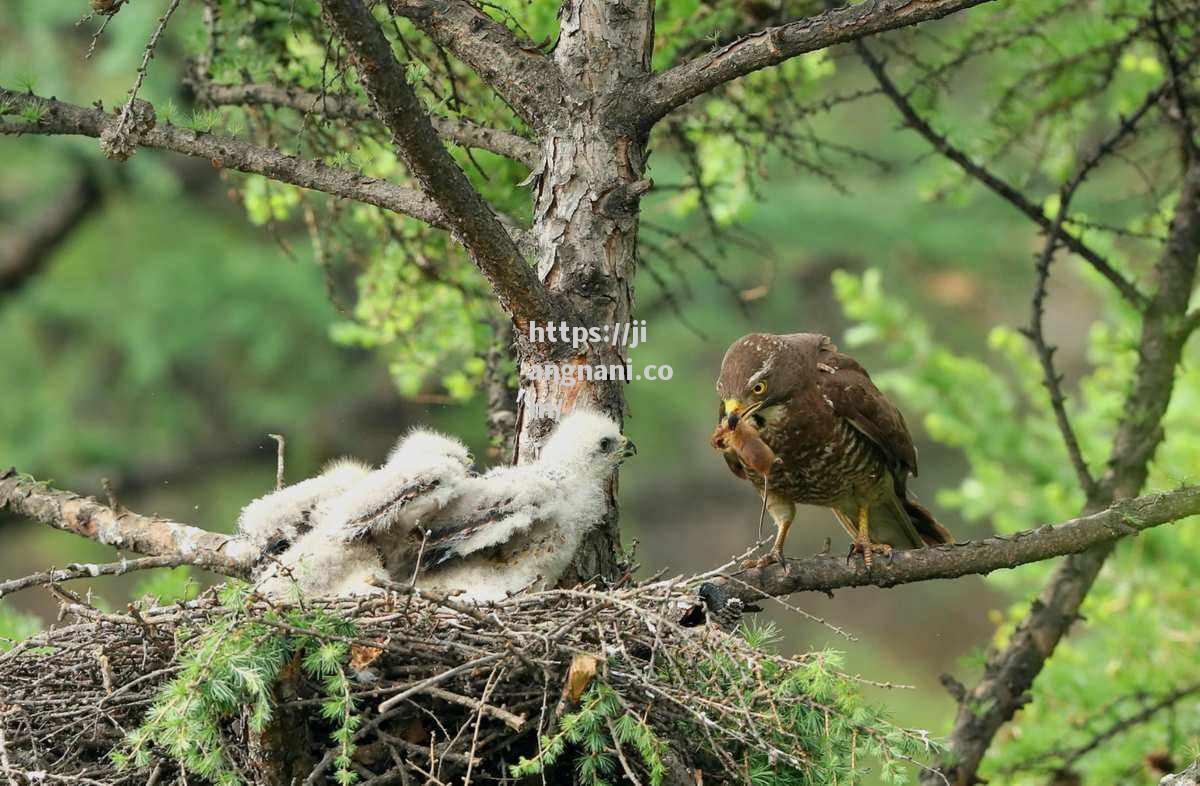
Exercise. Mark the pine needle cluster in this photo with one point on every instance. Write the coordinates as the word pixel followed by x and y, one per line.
pixel 227 671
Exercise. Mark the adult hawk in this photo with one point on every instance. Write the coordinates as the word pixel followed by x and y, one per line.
pixel 822 434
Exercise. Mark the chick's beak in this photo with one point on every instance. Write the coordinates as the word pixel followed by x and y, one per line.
pixel 630 448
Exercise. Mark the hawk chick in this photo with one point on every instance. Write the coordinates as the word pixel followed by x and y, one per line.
pixel 834 439
pixel 352 532
pixel 274 521
pixel 418 479
pixel 519 526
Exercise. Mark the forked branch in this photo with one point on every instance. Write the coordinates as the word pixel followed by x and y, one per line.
pixel 675 87
pixel 519 73
pixel 1010 672
pixel 469 217
pixel 460 131
pixel 991 180
pixel 233 557
pixel 61 118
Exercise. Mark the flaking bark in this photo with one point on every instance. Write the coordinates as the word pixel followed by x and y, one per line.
pixel 123 530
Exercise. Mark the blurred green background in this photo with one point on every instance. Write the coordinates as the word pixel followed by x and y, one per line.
pixel 169 333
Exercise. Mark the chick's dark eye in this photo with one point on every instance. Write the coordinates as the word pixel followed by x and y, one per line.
pixel 606 445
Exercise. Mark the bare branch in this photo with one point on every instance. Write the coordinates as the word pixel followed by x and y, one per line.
pixel 1051 379
pixel 469 217
pixel 460 131
pixel 1035 332
pixel 61 118
pixel 822 573
pixel 83 571
pixel 1187 131
pixel 994 182
pixel 157 537
pixel 22 254
pixel 675 87
pixel 1064 760
pixel 1010 673
pixel 515 69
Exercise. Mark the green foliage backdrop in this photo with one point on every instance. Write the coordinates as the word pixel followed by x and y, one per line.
pixel 194 313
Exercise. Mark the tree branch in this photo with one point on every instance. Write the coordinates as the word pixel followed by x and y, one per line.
pixel 519 73
pixel 61 118
pixel 469 217
pixel 460 131
pixel 1051 379
pixel 89 570
pixel 1122 725
pixel 180 544
pixel 828 572
pixel 224 554
pixel 994 182
pixel 676 86
pixel 1010 672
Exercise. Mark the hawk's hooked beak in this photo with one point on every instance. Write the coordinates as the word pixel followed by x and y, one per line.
pixel 630 448
pixel 732 411
pixel 735 411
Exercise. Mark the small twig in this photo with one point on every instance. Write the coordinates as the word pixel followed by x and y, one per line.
pixel 1051 379
pixel 412 582
pixel 629 773
pixel 515 722
pixel 280 444
pixel 437 679
pixel 127 112
pixel 487 693
pixel 110 495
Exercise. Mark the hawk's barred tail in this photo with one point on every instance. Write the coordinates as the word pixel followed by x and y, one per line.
pixel 933 533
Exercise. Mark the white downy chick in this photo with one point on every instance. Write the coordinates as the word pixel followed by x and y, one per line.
pixel 356 533
pixel 420 475
pixel 518 527
pixel 276 520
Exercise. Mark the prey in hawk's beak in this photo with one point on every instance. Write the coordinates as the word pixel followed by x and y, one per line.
pixel 630 448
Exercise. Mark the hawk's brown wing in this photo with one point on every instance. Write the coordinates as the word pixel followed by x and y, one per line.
pixel 854 396
pixel 849 388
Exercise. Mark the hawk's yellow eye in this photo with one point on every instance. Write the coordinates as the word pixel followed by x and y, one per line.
pixel 759 389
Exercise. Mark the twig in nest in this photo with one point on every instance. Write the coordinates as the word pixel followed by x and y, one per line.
pixel 4 763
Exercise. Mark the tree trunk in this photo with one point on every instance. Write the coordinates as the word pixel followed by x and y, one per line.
pixel 585 230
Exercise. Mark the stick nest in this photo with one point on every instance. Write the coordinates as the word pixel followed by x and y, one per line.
pixel 562 686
